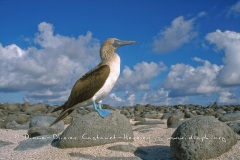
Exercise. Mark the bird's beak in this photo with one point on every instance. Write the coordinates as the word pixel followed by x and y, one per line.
pixel 118 43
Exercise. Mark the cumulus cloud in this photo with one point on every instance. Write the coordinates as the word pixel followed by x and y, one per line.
pixel 180 32
pixel 140 77
pixel 186 80
pixel 49 70
pixel 234 10
pixel 227 97
pixel 229 42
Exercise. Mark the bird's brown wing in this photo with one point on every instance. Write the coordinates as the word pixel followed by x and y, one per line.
pixel 84 89
pixel 88 85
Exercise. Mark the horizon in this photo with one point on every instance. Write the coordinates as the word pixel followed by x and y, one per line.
pixel 186 52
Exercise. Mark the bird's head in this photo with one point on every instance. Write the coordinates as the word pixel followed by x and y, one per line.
pixel 110 45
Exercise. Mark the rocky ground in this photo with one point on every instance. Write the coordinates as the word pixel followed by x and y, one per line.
pixel 23 136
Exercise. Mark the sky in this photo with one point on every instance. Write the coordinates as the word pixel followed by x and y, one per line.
pixel 188 52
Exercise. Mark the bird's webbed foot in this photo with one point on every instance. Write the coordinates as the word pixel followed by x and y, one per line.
pixel 102 112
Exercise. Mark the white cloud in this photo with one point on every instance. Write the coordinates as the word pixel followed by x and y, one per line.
pixel 234 10
pixel 180 32
pixel 140 77
pixel 226 97
pixel 50 70
pixel 229 42
pixel 185 80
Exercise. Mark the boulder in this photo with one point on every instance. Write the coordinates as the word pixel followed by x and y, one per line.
pixel 235 126
pixel 93 130
pixel 36 108
pixel 39 126
pixel 203 137
pixel 34 143
pixel 15 126
pixel 45 121
pixel 40 131
pixel 230 117
pixel 173 122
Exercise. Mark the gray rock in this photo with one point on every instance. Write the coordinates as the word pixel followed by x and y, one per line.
pixel 173 122
pixel 40 131
pixel 45 121
pixel 39 126
pixel 189 115
pixel 3 124
pixel 82 111
pixel 235 126
pixel 139 119
pixel 15 126
pixel 166 115
pixel 202 138
pixel 22 118
pixel 230 117
pixel 34 143
pixel 1 113
pixel 41 108
pixel 151 116
pixel 12 107
pixel 68 120
pixel 5 143
pixel 148 123
pixel 92 130
pixel 139 108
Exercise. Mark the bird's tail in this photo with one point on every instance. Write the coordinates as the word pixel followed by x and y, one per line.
pixel 62 107
pixel 64 114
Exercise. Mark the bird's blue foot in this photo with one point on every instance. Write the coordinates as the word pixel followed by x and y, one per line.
pixel 102 112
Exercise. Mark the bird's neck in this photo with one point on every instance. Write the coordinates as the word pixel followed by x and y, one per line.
pixel 106 53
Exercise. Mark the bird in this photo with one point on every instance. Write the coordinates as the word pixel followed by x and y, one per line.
pixel 93 86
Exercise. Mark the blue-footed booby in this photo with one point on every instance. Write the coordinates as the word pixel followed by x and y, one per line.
pixel 92 87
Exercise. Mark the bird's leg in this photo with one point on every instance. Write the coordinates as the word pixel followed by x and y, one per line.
pixel 102 112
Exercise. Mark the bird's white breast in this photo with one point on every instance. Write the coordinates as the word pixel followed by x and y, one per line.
pixel 114 64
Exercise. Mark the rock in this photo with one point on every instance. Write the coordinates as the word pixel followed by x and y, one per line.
pixel 4 143
pixel 1 113
pixel 40 131
pixel 230 117
pixel 202 138
pixel 83 111
pixel 166 115
pixel 22 118
pixel 93 130
pixel 151 116
pixel 68 120
pixel 12 107
pixel 34 143
pixel 3 124
pixel 39 126
pixel 139 108
pixel 45 121
pixel 189 115
pixel 15 126
pixel 139 119
pixel 173 122
pixel 235 126
pixel 149 123
pixel 36 108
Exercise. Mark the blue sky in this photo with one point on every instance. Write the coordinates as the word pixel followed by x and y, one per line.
pixel 187 51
